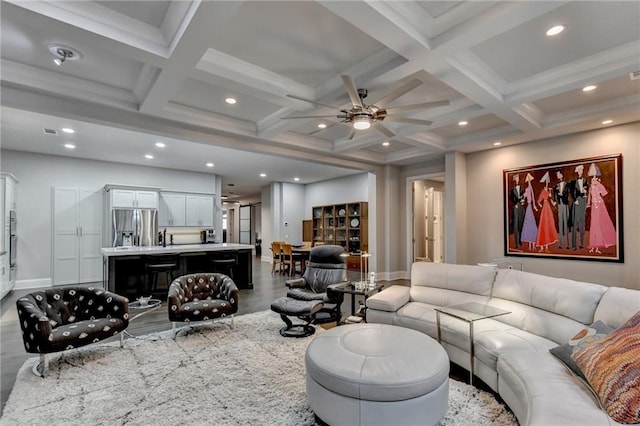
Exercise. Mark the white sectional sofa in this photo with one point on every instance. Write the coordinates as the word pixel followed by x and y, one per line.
pixel 512 351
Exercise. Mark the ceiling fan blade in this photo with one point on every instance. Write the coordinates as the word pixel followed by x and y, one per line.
pixel 379 127
pixel 395 94
pixel 309 116
pixel 352 90
pixel 313 102
pixel 424 105
pixel 408 120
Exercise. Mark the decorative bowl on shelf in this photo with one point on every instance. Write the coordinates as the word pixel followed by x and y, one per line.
pixel 355 222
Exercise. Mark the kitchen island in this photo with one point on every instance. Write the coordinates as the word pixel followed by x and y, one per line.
pixel 126 272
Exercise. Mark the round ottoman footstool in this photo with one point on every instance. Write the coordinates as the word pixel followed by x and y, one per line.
pixel 377 374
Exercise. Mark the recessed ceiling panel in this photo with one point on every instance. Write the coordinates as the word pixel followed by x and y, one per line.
pixel 26 36
pixel 200 95
pixel 394 146
pixel 437 8
pixel 474 125
pixel 300 40
pixel 149 12
pixel 591 28
pixel 605 91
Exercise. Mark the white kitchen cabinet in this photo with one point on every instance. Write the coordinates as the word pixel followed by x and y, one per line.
pixel 5 281
pixel 200 210
pixel 77 235
pixel 172 211
pixel 130 198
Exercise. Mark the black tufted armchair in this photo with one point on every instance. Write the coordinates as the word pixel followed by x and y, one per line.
pixel 201 297
pixel 58 319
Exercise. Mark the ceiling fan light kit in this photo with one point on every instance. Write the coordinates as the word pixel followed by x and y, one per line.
pixel 362 116
pixel 361 122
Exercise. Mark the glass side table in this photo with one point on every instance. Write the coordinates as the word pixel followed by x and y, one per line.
pixel 470 313
pixel 355 290
pixel 142 309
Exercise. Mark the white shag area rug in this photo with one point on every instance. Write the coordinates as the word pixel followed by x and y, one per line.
pixel 212 374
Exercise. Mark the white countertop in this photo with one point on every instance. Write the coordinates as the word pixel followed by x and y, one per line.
pixel 186 248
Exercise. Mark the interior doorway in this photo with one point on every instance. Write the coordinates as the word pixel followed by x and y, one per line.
pixel 428 220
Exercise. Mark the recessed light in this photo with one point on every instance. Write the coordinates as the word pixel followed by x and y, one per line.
pixel 148 156
pixel 462 123
pixel 297 179
pixel 607 122
pixel 555 30
pixel 263 175
pixel 209 164
pixel 68 130
pixel 160 145
pixel 69 146
pixel 497 143
pixel 589 88
pixel 230 101
pixel 322 126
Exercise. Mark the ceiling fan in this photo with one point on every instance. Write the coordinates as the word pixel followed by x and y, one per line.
pixel 362 116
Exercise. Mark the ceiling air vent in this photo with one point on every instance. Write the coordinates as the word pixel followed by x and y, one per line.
pixel 634 75
pixel 50 131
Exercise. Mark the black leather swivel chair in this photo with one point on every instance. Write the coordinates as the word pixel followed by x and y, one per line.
pixel 311 298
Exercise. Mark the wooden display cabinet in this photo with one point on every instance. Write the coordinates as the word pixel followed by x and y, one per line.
pixel 343 224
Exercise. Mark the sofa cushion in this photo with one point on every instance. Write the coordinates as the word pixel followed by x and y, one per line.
pixel 586 337
pixel 549 325
pixel 572 299
pixel 617 306
pixel 541 391
pixel 611 367
pixel 445 284
pixel 390 299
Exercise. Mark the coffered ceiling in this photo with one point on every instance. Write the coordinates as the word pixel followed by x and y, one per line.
pixel 153 70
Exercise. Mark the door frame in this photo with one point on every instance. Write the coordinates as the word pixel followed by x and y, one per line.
pixel 409 214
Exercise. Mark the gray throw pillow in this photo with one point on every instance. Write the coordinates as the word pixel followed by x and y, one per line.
pixel 586 337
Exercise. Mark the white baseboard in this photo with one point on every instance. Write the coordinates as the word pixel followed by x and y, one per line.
pixel 29 284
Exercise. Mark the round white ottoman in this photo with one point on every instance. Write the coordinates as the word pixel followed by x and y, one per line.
pixel 377 374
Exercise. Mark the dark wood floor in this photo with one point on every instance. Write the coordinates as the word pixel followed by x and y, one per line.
pixel 267 288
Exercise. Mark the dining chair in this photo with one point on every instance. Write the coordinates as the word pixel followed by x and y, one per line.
pixel 290 259
pixel 276 253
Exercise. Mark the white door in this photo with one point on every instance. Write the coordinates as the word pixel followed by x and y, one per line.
pixel 90 222
pixel 65 236
pixel 438 226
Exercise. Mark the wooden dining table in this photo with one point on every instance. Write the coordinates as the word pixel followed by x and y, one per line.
pixel 304 253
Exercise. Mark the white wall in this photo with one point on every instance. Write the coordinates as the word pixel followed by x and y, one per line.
pixel 342 190
pixel 39 173
pixel 485 201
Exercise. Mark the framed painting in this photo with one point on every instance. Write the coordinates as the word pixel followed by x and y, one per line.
pixel 568 210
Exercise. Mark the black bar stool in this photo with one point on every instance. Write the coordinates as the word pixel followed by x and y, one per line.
pixel 157 264
pixel 224 262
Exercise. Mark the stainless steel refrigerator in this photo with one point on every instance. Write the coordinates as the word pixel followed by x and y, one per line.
pixel 134 227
